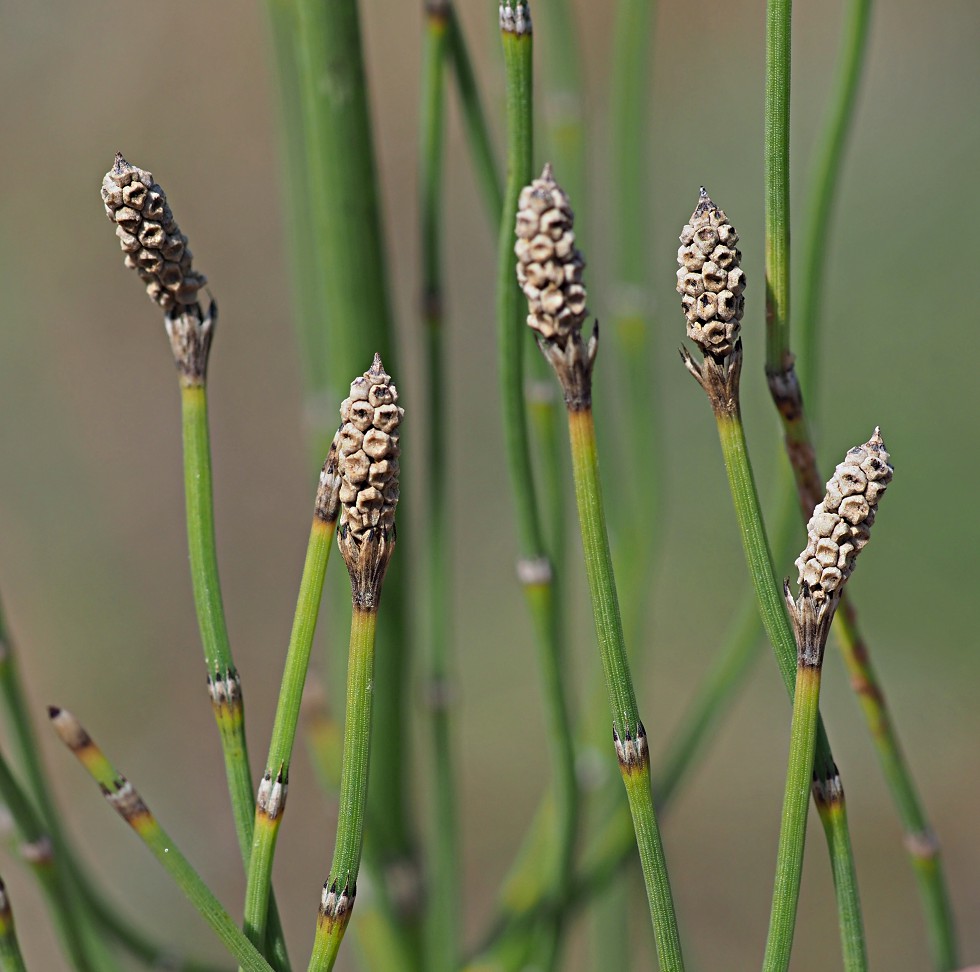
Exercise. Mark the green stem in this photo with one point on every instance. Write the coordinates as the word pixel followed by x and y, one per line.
pixel 268 816
pixel 474 120
pixel 11 959
pixel 228 708
pixel 40 855
pixel 83 891
pixel 444 867
pixel 535 567
pixel 632 300
pixel 792 833
pixel 342 882
pixel 126 801
pixel 629 733
pixel 823 189
pixel 778 61
pixel 787 390
pixel 774 618
pixel 350 259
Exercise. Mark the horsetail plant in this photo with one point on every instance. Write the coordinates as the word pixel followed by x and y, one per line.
pixel 786 389
pixel 549 270
pixel 711 283
pixel 536 568
pixel 157 250
pixel 270 801
pixel 367 462
pixel 124 798
pixel 836 533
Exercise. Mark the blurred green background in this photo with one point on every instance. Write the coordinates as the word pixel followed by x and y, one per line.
pixel 93 568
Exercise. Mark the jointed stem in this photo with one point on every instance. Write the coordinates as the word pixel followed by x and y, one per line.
pixel 342 882
pixel 792 835
pixel 628 730
pixel 268 814
pixel 223 678
pixel 787 391
pixel 772 608
pixel 536 570
pixel 126 801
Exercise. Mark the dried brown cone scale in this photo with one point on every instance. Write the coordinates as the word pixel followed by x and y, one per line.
pixel 149 236
pixel 549 271
pixel 367 462
pixel 836 533
pixel 710 280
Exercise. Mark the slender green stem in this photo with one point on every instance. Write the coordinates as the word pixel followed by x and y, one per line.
pixel 444 867
pixel 355 316
pixel 823 189
pixel 921 843
pixel 614 844
pixel 787 392
pixel 39 853
pixel 563 102
pixel 632 323
pixel 76 882
pixel 792 833
pixel 122 796
pixel 11 959
pixel 628 730
pixel 773 611
pixel 268 812
pixel 474 120
pixel 778 61
pixel 341 886
pixel 536 571
pixel 225 688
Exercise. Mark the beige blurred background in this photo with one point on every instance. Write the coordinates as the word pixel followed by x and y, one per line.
pixel 93 569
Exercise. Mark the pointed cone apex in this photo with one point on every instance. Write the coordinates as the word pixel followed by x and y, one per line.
pixel 377 368
pixel 704 203
pixel 547 173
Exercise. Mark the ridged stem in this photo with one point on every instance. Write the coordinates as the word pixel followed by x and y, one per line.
pixel 622 700
pixel 444 867
pixel 787 388
pixel 773 611
pixel 11 959
pixel 778 61
pixel 535 568
pixel 355 315
pixel 792 832
pixel 230 717
pixel 126 801
pixel 268 819
pixel 353 787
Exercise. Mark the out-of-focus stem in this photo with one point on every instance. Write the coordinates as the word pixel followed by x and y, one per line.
pixel 444 899
pixel 11 959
